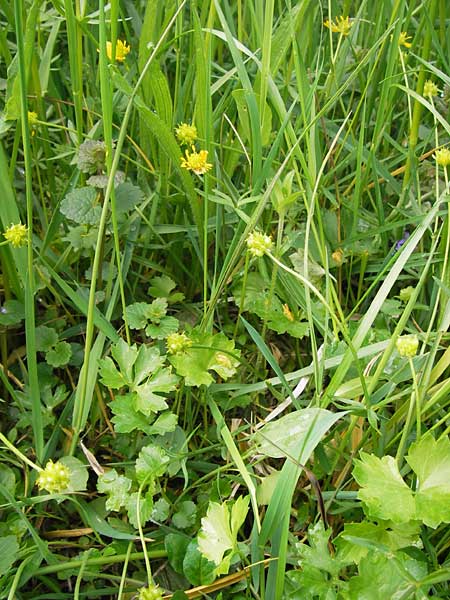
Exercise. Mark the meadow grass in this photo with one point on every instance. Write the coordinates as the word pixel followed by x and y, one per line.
pixel 224 359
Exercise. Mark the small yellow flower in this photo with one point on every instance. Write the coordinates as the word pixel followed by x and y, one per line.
pixel 177 342
pixel 55 478
pixel 186 134
pixel 403 39
pixel 258 243
pixel 152 592
pixel 122 49
pixel 196 161
pixel 407 345
pixel 442 157
pixel 338 256
pixel 430 89
pixel 340 25
pixel 17 235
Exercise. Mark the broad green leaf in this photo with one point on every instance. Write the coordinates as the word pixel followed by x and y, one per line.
pixel 176 545
pixel 384 493
pixel 317 554
pixel 162 286
pixel 125 356
pixel 116 487
pixel 157 310
pixel 148 361
pixel 219 531
pixel 166 326
pixel 126 417
pixel 147 401
pixel 145 508
pixel 430 460
pixel 59 355
pixel 81 206
pixel 165 423
pixel 151 463
pixel 127 197
pixel 282 437
pixel 46 338
pixel 198 569
pixel 161 510
pixel 109 375
pixel 12 312
pixel 9 549
pixel 78 473
pixel 185 516
pixel 137 315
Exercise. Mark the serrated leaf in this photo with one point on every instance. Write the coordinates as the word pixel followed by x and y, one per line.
pixel 12 312
pixel 127 197
pixel 147 401
pixel 430 460
pixel 151 463
pixel 161 510
pixel 109 375
pixel 116 487
pixel 317 554
pixel 46 338
pixel 148 361
pixel 80 206
pixel 165 423
pixel 282 437
pixel 157 310
pixel 166 326
pixel 384 493
pixel 162 286
pixel 145 508
pixel 125 356
pixel 126 417
pixel 185 515
pixel 59 355
pixel 137 315
pixel 78 473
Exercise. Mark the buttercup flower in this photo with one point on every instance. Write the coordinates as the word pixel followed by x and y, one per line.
pixel 186 134
pixel 122 49
pixel 430 89
pixel 340 25
pixel 55 478
pixel 258 243
pixel 17 235
pixel 442 157
pixel 196 161
pixel 407 345
pixel 177 342
pixel 403 39
pixel 152 592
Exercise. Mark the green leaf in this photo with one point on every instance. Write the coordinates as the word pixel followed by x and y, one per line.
pixel 157 310
pixel 162 286
pixel 384 493
pixel 116 487
pixel 126 417
pixel 12 312
pixel 80 206
pixel 317 554
pixel 198 569
pixel 176 546
pixel 59 355
pixel 219 531
pixel 185 516
pixel 166 326
pixel 430 460
pixel 282 437
pixel 46 338
pixel 148 361
pixel 125 356
pixel 137 315
pixel 147 402
pixel 161 510
pixel 9 549
pixel 78 473
pixel 127 197
pixel 145 508
pixel 109 375
pixel 151 463
pixel 165 423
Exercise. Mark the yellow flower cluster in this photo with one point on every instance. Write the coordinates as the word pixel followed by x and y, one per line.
pixel 177 342
pixel 258 243
pixel 197 162
pixel 430 89
pixel 340 25
pixel 17 235
pixel 403 39
pixel 407 345
pixel 122 49
pixel 55 478
pixel 186 134
pixel 441 156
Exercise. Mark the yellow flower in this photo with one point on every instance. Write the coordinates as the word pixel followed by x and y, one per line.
pixel 121 50
pixel 430 89
pixel 340 25
pixel 55 478
pixel 442 157
pixel 177 342
pixel 288 313
pixel 186 134
pixel 32 121
pixel 407 345
pixel 196 161
pixel 258 243
pixel 17 235
pixel 338 256
pixel 403 39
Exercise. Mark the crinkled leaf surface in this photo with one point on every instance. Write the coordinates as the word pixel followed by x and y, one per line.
pixel 137 315
pixel 384 493
pixel 80 206
pixel 430 460
pixel 151 463
pixel 59 355
pixel 316 553
pixel 46 338
pixel 285 435
pixel 127 196
pixel 166 326
pixel 116 487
